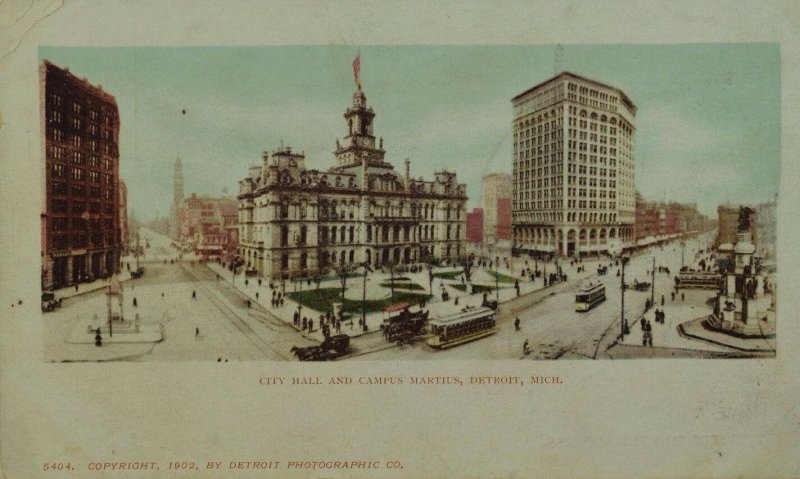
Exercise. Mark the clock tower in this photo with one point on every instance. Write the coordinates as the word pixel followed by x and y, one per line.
pixel 359 144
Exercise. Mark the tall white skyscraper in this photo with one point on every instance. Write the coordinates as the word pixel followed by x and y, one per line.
pixel 573 190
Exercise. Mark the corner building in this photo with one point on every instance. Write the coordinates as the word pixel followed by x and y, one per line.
pixel 297 222
pixel 82 232
pixel 573 190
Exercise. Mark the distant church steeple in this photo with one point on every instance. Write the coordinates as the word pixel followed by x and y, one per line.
pixel 177 200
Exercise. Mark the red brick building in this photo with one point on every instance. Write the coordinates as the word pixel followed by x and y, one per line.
pixel 81 233
pixel 475 226
pixel 209 226
pixel 504 218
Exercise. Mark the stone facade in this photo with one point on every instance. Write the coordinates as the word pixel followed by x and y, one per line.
pixel 299 222
pixel 573 159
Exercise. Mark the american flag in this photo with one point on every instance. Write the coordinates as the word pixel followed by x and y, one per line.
pixel 357 68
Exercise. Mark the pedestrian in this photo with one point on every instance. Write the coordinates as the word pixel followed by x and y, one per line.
pixel 196 332
pixel 76 287
pixel 257 296
pixel 673 295
pixel 135 303
pixel 643 323
pixel 525 349
pixel 281 302
pixel 194 294
pixel 516 323
pixel 310 325
pixel 338 327
pixel 662 300
pixel 305 323
pixel 683 297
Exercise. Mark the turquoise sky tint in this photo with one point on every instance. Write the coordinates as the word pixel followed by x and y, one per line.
pixel 708 124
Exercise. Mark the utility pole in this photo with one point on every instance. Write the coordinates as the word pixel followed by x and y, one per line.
pixel 364 301
pixel 653 283
pixel 622 290
pixel 496 280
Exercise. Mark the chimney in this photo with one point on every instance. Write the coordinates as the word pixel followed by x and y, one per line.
pixel 408 175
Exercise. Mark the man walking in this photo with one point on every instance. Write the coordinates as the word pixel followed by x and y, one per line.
pixel 516 323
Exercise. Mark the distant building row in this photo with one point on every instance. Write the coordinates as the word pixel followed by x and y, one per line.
pixel 659 221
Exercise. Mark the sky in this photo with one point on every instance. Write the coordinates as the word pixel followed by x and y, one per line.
pixel 707 125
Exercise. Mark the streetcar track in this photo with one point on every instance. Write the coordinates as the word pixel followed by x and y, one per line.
pixel 234 318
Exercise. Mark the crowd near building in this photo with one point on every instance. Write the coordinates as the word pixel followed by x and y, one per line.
pixel 496 207
pixel 573 168
pixel 82 228
pixel 295 221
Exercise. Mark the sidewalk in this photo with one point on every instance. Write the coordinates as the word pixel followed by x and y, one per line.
pixel 83 288
pixel 437 308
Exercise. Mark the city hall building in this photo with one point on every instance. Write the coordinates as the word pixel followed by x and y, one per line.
pixel 81 226
pixel 573 190
pixel 297 222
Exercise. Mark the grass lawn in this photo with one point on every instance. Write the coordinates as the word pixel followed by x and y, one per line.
pixel 404 285
pixel 323 299
pixel 476 288
pixel 502 278
pixel 448 274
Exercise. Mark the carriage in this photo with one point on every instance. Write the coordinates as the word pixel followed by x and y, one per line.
pixel 332 348
pixel 641 286
pixel 49 301
pixel 601 270
pixel 401 324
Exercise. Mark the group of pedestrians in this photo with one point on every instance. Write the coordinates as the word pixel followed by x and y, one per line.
pixel 307 324
pixel 647 332
pixel 277 298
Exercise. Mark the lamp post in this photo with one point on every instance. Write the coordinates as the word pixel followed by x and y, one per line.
pixel 364 300
pixel 653 284
pixel 623 260
pixel 430 276
pixel 683 250
pixel 496 281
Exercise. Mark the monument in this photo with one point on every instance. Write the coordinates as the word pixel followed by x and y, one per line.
pixel 744 313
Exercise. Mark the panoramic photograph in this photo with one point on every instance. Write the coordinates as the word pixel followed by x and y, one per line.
pixel 385 203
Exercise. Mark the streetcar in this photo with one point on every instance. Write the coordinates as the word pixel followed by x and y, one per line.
pixel 697 280
pixel 468 325
pixel 590 296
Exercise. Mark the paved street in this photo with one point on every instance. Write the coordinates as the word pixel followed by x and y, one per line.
pixel 217 324
pixel 228 330
pixel 555 330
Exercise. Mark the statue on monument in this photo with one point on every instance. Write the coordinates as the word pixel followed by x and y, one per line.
pixel 745 214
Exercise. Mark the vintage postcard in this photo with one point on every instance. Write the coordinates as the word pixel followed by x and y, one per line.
pixel 275 257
